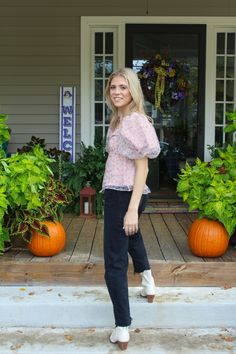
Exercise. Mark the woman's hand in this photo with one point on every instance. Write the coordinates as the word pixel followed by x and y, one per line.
pixel 131 222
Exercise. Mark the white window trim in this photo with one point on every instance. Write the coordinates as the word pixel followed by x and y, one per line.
pixel 213 24
pixel 87 30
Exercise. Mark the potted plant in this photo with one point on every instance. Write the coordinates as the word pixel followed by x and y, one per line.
pixel 32 200
pixel 4 138
pixel 89 167
pixel 210 188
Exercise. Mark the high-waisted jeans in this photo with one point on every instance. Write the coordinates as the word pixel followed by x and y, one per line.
pixel 116 248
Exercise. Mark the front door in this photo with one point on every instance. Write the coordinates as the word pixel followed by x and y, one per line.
pixel 170 61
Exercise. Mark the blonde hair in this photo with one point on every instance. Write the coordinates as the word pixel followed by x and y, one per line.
pixel 137 103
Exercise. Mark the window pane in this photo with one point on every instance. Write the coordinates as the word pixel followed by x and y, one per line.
pixel 231 43
pixel 219 136
pixel 230 90
pixel 229 138
pixel 220 67
pixel 109 43
pixel 98 67
pixel 98 113
pixel 98 90
pixel 98 135
pixel 229 107
pixel 219 113
pixel 108 66
pixel 219 90
pixel 98 43
pixel 220 43
pixel 230 67
pixel 106 129
pixel 107 114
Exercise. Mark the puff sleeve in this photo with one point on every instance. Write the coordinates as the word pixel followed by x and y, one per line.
pixel 137 138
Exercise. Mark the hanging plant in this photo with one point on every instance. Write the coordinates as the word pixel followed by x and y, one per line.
pixel 164 81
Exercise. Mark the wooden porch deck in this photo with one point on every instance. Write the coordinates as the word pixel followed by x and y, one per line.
pixel 165 237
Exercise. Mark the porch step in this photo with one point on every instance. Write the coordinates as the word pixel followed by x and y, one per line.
pixel 85 307
pixel 96 341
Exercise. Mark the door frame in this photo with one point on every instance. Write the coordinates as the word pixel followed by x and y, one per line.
pixel 213 25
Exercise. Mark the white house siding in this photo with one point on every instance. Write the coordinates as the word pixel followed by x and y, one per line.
pixel 40 51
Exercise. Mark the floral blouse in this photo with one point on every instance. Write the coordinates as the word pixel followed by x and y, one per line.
pixel 135 138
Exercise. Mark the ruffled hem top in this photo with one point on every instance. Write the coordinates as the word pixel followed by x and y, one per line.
pixel 134 139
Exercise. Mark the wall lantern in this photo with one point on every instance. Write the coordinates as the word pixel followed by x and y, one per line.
pixel 88 201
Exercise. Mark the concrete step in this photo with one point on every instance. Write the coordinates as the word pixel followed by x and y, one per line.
pixel 96 341
pixel 86 307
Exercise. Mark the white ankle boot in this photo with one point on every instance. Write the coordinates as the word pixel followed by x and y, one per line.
pixel 120 335
pixel 148 285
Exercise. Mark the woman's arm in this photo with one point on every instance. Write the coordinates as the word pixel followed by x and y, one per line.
pixel 131 216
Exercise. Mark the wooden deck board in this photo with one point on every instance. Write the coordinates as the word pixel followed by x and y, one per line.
pixel 166 242
pixel 180 237
pixel 73 229
pixel 97 249
pixel 165 237
pixel 149 237
pixel 83 246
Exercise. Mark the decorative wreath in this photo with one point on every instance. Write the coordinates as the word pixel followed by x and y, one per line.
pixel 164 82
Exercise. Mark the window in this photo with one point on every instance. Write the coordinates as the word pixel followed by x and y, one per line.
pixel 225 94
pixel 102 67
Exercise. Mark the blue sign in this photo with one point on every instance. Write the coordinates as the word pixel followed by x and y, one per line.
pixel 67 120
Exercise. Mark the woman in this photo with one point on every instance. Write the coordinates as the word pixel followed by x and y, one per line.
pixel 131 140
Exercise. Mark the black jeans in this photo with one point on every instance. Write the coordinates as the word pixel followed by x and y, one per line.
pixel 116 248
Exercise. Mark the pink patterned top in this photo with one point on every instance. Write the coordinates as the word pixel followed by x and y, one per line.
pixel 133 139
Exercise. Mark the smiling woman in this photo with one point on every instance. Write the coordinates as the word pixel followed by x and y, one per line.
pixel 131 140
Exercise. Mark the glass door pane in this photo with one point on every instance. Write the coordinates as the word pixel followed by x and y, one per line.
pixel 168 61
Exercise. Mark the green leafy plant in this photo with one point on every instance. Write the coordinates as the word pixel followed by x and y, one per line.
pixel 57 156
pixel 210 187
pixel 231 126
pixel 31 194
pixel 4 134
pixel 4 137
pixel 89 167
pixel 52 200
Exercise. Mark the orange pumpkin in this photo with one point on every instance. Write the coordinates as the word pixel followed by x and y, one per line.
pixel 207 238
pixel 44 246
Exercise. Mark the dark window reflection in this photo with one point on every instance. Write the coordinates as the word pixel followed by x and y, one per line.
pixel 98 113
pixel 98 135
pixel 219 136
pixel 231 43
pixel 98 90
pixel 109 43
pixel 220 67
pixel 99 43
pixel 219 90
pixel 219 113
pixel 220 43
pixel 98 67
pixel 230 90
pixel 230 67
pixel 108 66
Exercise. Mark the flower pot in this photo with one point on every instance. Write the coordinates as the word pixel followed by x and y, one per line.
pixel 47 246
pixel 207 238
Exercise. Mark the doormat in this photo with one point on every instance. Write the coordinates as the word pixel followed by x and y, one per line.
pixel 167 207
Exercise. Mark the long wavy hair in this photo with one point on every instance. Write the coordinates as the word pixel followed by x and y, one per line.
pixel 137 103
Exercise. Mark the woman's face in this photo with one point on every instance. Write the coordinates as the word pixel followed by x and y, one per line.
pixel 120 94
